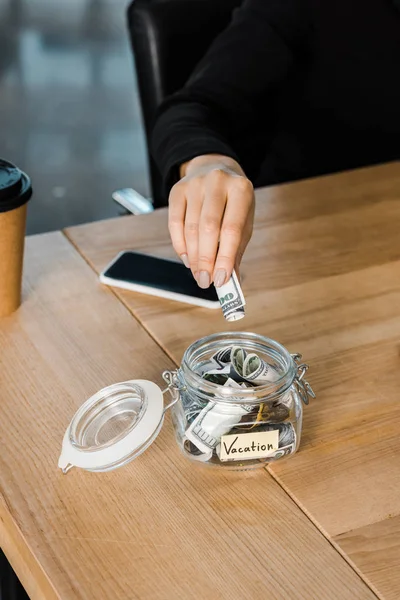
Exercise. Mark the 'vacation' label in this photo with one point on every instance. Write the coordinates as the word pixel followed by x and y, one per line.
pixel 248 445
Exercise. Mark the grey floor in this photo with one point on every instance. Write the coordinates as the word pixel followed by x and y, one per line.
pixel 69 108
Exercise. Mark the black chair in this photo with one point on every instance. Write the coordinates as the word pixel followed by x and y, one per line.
pixel 169 37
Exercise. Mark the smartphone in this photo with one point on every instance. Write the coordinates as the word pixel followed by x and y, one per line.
pixel 157 277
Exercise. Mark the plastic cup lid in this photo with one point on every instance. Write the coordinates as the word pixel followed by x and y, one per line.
pixel 113 427
pixel 15 186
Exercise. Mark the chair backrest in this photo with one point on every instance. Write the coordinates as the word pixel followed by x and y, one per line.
pixel 169 37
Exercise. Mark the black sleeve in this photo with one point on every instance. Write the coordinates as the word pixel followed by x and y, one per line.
pixel 244 66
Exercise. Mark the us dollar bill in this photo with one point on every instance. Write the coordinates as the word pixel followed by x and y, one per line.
pixel 248 369
pixel 256 370
pixel 238 356
pixel 281 452
pixel 223 357
pixel 287 433
pixel 218 361
pixel 194 453
pixel 216 419
pixel 232 299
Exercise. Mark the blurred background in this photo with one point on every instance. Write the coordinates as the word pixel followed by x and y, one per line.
pixel 69 107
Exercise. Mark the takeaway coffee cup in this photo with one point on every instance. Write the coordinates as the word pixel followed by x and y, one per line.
pixel 15 191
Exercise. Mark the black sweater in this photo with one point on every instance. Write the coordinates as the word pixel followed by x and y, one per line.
pixel 291 89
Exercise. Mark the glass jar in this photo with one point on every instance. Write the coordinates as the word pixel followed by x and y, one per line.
pixel 237 402
pixel 239 427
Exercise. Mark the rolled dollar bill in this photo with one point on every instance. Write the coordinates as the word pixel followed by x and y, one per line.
pixel 232 383
pixel 285 401
pixel 217 377
pixel 222 357
pixel 218 360
pixel 281 452
pixel 256 370
pixel 191 405
pixel 194 453
pixel 231 298
pixel 287 433
pixel 238 356
pixel 216 419
pixel 221 375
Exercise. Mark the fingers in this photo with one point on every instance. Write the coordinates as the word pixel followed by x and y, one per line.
pixel 194 195
pixel 210 224
pixel 243 246
pixel 236 229
pixel 176 220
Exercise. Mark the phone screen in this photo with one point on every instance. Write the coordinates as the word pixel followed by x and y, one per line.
pixel 158 273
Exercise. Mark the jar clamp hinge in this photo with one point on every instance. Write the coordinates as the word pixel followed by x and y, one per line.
pixel 171 378
pixel 303 387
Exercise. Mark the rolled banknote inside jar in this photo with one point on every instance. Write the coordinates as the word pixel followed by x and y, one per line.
pixel 232 299
pixel 194 453
pixel 234 367
pixel 236 363
pixel 251 367
pixel 216 419
pixel 256 370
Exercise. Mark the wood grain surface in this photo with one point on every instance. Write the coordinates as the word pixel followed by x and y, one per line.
pixel 159 528
pixel 376 550
pixel 322 276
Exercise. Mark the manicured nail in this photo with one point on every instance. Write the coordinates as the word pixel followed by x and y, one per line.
pixel 204 279
pixel 185 260
pixel 220 277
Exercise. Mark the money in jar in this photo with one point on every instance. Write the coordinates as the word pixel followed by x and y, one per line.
pixel 241 401
pixel 236 402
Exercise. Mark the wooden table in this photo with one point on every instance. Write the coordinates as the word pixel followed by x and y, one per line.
pixel 321 276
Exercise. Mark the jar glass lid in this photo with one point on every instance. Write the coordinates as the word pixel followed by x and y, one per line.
pixel 113 427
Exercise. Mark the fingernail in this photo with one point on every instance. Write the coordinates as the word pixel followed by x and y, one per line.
pixel 220 277
pixel 185 260
pixel 204 279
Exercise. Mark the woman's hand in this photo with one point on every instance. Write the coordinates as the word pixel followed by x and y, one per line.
pixel 211 212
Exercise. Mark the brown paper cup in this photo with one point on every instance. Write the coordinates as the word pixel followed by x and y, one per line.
pixel 15 191
pixel 12 227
